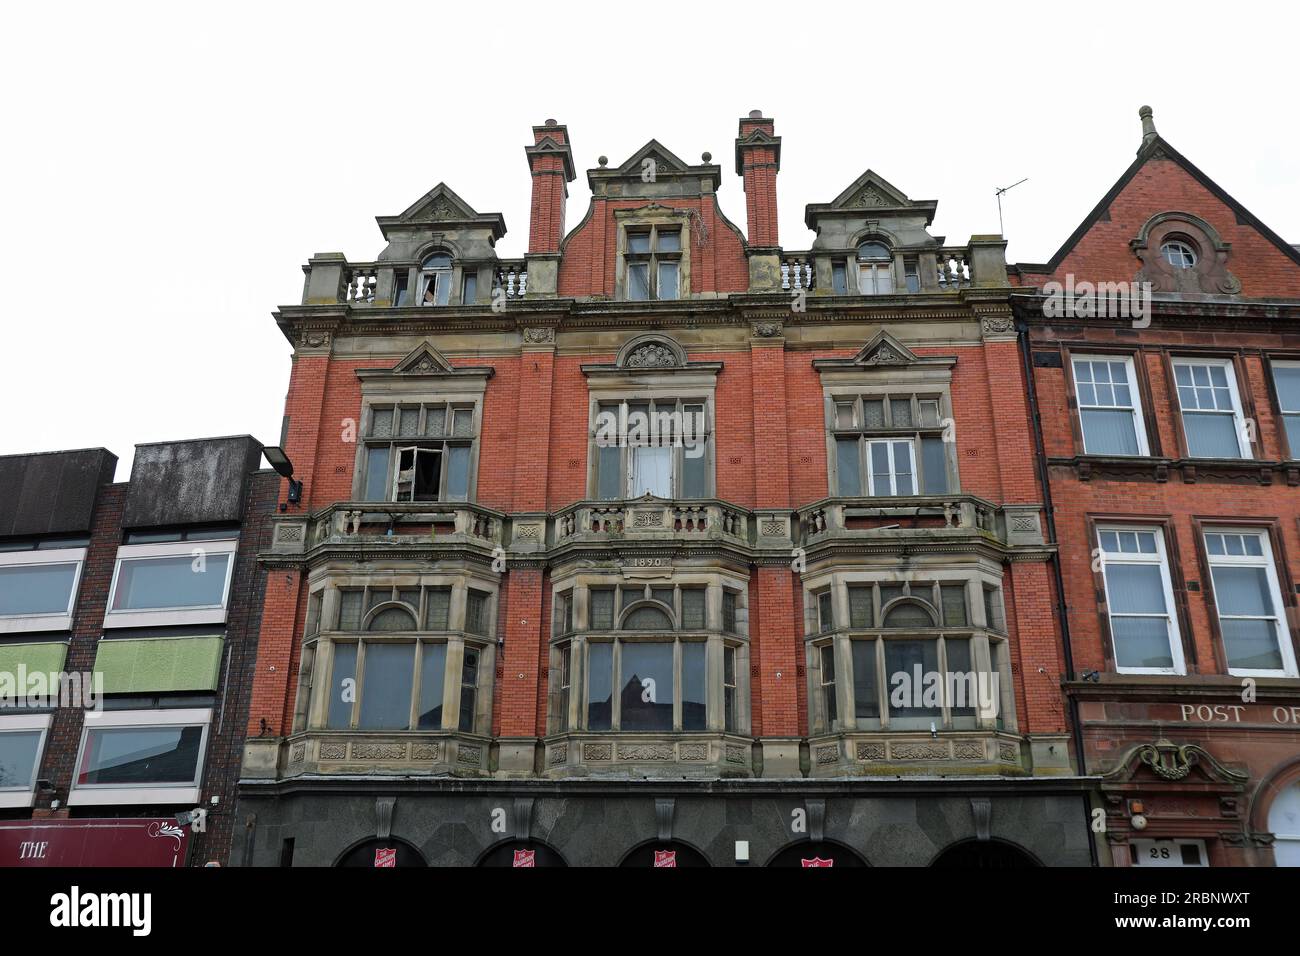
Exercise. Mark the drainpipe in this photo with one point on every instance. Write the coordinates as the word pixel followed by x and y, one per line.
pixel 1049 511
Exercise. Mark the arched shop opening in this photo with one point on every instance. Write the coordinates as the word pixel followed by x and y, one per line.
pixel 809 854
pixel 521 854
pixel 664 853
pixel 382 854
pixel 985 855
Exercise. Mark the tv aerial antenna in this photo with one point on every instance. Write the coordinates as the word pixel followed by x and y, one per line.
pixel 998 193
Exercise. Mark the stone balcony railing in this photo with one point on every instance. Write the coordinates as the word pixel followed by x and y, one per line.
pixel 388 522
pixel 332 280
pixel 650 519
pixel 938 516
pixel 979 264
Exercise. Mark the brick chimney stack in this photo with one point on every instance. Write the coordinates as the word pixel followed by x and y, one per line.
pixel 551 162
pixel 758 159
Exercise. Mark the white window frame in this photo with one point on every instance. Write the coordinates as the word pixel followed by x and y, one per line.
pixel 1238 417
pixel 1264 560
pixel 184 614
pixel 892 491
pixel 112 794
pixel 55 621
pixel 1147 853
pixel 1139 426
pixel 25 796
pixel 1161 558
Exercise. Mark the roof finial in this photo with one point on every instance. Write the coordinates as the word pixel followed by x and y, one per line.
pixel 1148 125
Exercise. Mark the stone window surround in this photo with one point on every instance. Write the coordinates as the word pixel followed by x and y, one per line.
pixel 417 391
pixel 460 267
pixel 647 216
pixel 579 640
pixel 120 794
pixel 879 382
pixel 317 659
pixel 630 385
pixel 25 796
pixel 980 633
pixel 60 621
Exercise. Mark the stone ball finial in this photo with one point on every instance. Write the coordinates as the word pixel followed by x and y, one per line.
pixel 755 114
pixel 604 161
pixel 551 122
pixel 706 156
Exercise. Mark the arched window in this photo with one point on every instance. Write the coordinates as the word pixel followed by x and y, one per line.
pixel 875 268
pixel 909 614
pixel 392 619
pixel 647 618
pixel 1284 821
pixel 435 279
pixel 1179 254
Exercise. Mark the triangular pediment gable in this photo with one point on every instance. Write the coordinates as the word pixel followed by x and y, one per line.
pixel 871 190
pixel 665 159
pixel 884 351
pixel 439 204
pixel 425 360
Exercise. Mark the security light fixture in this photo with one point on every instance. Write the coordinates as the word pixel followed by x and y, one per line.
pixel 284 467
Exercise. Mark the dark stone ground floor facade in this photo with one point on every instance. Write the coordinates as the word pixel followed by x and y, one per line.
pixel 450 822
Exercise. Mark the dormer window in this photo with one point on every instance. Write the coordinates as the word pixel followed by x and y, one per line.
pixel 435 279
pixel 653 262
pixel 875 268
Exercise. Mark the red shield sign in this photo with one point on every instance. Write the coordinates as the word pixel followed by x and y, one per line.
pixel 386 857
pixel 666 858
pixel 524 858
pixel 816 862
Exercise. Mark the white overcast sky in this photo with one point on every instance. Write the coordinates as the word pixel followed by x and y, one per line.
pixel 168 168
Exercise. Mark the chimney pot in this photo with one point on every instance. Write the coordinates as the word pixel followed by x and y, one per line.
pixel 551 122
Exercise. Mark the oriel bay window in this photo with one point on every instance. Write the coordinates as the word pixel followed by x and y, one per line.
pixel 907 655
pixel 420 452
pixel 1249 604
pixel 658 446
pixel 402 658
pixel 647 658
pixel 890 445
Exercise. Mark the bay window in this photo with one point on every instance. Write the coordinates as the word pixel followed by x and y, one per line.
pixel 1249 604
pixel 912 655
pixel 648 658
pixel 1140 601
pixel 401 658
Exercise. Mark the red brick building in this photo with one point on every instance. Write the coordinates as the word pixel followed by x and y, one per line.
pixel 1170 437
pixel 506 618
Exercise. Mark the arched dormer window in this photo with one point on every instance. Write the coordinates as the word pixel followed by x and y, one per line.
pixel 435 279
pixel 875 268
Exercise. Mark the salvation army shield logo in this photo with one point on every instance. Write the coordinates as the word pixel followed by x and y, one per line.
pixel 525 858
pixel 816 862
pixel 666 858
pixel 386 857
